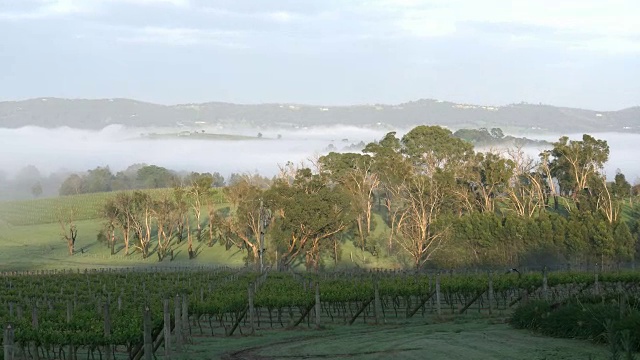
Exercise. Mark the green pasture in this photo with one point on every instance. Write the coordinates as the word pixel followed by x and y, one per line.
pixel 30 239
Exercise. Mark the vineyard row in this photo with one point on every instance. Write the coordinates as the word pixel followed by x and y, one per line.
pixel 132 314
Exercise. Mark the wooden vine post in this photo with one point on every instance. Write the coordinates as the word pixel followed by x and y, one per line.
pixel 70 348
pixel 545 285
pixel 438 295
pixel 318 307
pixel 490 293
pixel 34 323
pixel 107 331
pixel 377 306
pixel 148 339
pixel 186 328
pixel 8 343
pixel 167 328
pixel 178 323
pixel 250 292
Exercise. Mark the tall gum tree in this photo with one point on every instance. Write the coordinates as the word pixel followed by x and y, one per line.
pixel 353 172
pixel 141 221
pixel 440 164
pixel 418 231
pixel 244 197
pixel 200 190
pixel 164 213
pixel 123 203
pixel 576 161
pixel 528 184
pixel 432 147
pixel 494 173
pixel 307 214
pixel 110 212
pixel 393 170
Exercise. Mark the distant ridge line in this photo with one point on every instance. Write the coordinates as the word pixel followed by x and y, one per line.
pixel 52 112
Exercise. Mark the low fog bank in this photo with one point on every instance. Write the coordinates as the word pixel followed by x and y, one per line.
pixel 66 149
pixel 52 154
pixel 33 154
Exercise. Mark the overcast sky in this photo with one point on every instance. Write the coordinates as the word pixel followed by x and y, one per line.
pixel 582 53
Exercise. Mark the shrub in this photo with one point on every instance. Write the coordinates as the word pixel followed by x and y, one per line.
pixel 592 318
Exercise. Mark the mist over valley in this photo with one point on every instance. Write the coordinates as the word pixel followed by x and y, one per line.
pixel 58 152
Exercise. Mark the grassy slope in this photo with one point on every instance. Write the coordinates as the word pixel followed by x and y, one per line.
pixel 30 239
pixel 462 339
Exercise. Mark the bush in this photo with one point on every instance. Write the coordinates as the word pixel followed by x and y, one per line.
pixel 584 318
pixel 529 316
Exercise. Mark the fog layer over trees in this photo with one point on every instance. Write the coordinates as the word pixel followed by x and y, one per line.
pixel 35 161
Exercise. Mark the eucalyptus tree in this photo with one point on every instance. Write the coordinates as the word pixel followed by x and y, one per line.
pixel 493 175
pixel 244 222
pixel 111 213
pixel 440 167
pixel 528 185
pixel 141 220
pixel 393 170
pixel 68 229
pixel 123 202
pixel 575 162
pixel 199 191
pixel 180 195
pixel 307 214
pixel 419 231
pixel 434 148
pixel 353 172
pixel 621 188
pixel 165 213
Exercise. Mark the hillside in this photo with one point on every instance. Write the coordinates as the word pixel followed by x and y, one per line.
pixel 96 114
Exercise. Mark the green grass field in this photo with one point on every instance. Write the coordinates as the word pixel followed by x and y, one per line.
pixel 463 338
pixel 30 239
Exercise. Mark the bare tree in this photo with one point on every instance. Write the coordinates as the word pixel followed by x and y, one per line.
pixel 68 229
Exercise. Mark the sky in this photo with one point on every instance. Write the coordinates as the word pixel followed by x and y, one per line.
pixel 578 53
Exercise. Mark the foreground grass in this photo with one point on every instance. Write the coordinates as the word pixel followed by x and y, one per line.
pixel 460 339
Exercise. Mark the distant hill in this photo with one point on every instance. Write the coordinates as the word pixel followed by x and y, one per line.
pixel 96 114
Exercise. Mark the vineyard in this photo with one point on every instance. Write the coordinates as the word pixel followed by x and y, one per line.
pixel 110 314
